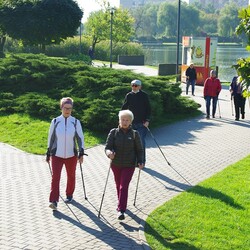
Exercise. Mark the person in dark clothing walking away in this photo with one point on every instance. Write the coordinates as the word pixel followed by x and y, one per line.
pixel 239 99
pixel 211 91
pixel 91 53
pixel 124 148
pixel 138 102
pixel 191 78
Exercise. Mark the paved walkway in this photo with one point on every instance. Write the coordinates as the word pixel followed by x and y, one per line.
pixel 196 148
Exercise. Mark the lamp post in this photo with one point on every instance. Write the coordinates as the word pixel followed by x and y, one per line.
pixel 178 39
pixel 111 33
pixel 80 49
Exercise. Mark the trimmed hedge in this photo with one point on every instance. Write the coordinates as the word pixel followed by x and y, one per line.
pixel 34 84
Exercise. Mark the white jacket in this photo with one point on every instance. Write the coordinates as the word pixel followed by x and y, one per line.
pixel 65 134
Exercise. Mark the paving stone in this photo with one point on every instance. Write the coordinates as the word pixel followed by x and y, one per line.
pixel 195 149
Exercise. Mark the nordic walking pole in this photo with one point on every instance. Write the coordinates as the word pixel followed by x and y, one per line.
pixel 137 186
pixel 85 195
pixel 63 199
pixel 99 213
pixel 166 158
pixel 219 107
pixel 232 105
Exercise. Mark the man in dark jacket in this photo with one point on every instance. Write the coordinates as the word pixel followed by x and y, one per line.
pixel 137 101
pixel 239 99
pixel 191 78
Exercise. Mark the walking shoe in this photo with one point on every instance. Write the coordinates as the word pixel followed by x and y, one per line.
pixel 236 119
pixel 207 117
pixel 243 116
pixel 69 199
pixel 213 116
pixel 121 215
pixel 53 205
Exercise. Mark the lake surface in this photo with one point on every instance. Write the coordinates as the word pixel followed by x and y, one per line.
pixel 225 58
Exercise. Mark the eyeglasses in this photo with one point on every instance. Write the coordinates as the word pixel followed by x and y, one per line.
pixel 134 85
pixel 68 109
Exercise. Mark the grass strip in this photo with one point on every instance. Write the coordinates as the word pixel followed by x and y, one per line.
pixel 212 215
pixel 30 135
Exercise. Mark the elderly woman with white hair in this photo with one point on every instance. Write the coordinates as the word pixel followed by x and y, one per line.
pixel 125 149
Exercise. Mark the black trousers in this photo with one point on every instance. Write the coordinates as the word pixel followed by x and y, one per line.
pixel 239 105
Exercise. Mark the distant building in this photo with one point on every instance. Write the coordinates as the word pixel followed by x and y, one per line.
pixel 131 3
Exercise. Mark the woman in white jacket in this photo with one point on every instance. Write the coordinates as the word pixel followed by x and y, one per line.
pixel 65 145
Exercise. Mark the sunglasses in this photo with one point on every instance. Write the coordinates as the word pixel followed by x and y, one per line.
pixel 134 85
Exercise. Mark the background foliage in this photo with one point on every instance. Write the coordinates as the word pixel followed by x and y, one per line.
pixel 34 84
pixel 40 22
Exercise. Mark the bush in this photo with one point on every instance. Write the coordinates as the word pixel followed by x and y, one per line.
pixel 72 49
pixel 34 84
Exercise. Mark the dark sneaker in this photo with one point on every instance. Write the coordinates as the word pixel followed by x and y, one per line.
pixel 236 119
pixel 69 199
pixel 207 117
pixel 243 116
pixel 121 216
pixel 213 116
pixel 53 205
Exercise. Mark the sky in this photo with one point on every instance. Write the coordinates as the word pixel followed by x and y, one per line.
pixel 92 5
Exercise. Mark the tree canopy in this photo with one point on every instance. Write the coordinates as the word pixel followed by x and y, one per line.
pixel 98 25
pixel 228 20
pixel 243 64
pixel 40 22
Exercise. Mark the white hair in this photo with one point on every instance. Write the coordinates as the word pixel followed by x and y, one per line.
pixel 126 113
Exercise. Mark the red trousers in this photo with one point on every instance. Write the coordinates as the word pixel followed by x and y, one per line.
pixel 122 178
pixel 57 165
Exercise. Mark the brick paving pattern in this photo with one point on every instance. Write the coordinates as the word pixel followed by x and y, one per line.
pixel 196 148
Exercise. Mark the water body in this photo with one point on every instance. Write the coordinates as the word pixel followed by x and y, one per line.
pixel 225 58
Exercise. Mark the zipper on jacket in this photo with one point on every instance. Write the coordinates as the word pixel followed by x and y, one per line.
pixel 65 132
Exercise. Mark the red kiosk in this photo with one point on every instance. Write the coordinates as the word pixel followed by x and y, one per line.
pixel 201 51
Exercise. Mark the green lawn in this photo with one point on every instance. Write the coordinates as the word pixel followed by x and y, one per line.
pixel 30 135
pixel 213 215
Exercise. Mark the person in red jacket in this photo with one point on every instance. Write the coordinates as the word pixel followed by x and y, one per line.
pixel 211 91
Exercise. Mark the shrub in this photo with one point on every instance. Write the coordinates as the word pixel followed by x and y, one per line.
pixel 72 49
pixel 34 84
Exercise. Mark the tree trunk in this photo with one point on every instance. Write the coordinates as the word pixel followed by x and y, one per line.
pixel 2 42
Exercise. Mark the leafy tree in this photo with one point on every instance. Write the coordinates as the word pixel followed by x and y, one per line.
pixel 146 20
pixel 2 36
pixel 208 22
pixel 228 20
pixel 98 25
pixel 40 22
pixel 2 42
pixel 167 19
pixel 243 64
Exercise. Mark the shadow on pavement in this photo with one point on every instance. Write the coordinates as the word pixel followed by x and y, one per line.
pixel 107 233
pixel 156 175
pixel 215 194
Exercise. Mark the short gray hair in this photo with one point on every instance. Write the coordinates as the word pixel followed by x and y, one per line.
pixel 126 112
pixel 66 100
